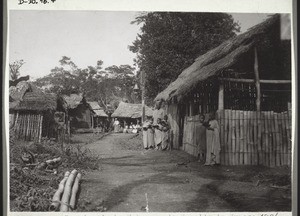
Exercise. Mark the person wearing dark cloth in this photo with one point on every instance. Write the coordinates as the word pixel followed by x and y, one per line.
pixel 201 139
pixel 165 144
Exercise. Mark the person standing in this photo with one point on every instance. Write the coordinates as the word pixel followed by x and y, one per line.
pixel 116 125
pixel 212 141
pixel 148 133
pixel 158 114
pixel 201 139
pixel 165 144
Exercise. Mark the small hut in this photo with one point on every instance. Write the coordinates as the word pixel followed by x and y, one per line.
pixel 32 112
pixel 247 80
pixel 100 117
pixel 128 112
pixel 80 112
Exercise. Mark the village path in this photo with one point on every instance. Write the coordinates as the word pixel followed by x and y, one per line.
pixel 165 181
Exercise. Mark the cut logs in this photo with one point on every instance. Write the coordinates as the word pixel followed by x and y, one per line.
pixel 64 198
pixel 57 196
pixel 75 189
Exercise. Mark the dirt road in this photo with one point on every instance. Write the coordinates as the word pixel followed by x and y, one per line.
pixel 172 181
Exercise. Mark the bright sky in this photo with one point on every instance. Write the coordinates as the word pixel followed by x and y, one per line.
pixel 41 38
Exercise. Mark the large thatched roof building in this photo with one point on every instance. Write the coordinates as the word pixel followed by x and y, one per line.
pixel 228 54
pixel 247 80
pixel 129 110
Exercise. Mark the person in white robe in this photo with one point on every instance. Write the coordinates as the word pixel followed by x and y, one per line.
pixel 213 147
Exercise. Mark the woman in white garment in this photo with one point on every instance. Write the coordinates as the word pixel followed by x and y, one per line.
pixel 212 141
pixel 158 113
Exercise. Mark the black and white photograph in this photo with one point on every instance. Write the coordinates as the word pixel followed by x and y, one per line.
pixel 149 111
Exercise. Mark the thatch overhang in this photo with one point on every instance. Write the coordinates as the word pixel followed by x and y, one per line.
pixel 216 60
pixel 100 113
pixel 129 110
pixel 97 109
pixel 37 101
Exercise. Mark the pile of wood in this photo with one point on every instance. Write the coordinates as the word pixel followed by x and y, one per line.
pixel 64 198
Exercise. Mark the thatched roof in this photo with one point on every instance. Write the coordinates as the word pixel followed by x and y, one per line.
pixel 216 60
pixel 94 105
pixel 97 109
pixel 128 110
pixel 37 101
pixel 73 100
pixel 100 113
pixel 17 92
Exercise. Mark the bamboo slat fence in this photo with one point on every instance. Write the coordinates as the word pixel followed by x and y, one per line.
pixel 247 137
pixel 28 127
pixel 255 138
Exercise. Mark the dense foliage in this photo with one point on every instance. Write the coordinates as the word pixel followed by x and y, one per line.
pixel 108 86
pixel 14 69
pixel 170 41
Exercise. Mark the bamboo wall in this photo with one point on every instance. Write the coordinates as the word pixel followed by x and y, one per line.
pixel 255 138
pixel 247 137
pixel 28 127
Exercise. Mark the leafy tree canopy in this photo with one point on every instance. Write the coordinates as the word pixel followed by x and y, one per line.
pixel 107 86
pixel 14 69
pixel 169 42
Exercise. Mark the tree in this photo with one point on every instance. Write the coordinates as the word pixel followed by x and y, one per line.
pixel 170 41
pixel 108 86
pixel 14 69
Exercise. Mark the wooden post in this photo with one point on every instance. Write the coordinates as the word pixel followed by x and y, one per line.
pixel 257 83
pixel 40 129
pixel 143 95
pixel 221 96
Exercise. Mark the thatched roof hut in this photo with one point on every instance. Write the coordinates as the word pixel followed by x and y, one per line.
pixel 129 110
pixel 247 81
pixel 32 111
pixel 216 60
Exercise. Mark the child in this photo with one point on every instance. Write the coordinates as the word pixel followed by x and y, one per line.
pixel 166 134
pixel 148 133
pixel 201 139
pixel 158 134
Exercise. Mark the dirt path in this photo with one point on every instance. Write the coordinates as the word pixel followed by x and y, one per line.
pixel 130 181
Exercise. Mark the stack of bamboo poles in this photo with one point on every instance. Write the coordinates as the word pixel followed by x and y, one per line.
pixel 64 198
pixel 255 138
pixel 28 127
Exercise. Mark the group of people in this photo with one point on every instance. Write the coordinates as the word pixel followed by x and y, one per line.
pixel 156 130
pixel 126 127
pixel 156 135
pixel 208 140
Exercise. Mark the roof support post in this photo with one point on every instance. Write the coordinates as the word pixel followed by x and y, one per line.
pixel 257 82
pixel 143 95
pixel 221 96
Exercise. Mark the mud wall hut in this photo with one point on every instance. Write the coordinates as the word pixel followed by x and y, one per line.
pixel 80 112
pixel 247 80
pixel 33 112
pixel 129 112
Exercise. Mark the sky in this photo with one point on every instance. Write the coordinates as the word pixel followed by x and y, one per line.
pixel 41 38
